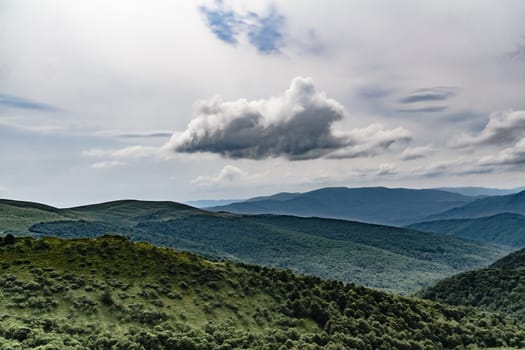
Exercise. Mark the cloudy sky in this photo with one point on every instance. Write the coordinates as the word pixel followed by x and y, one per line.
pixel 184 100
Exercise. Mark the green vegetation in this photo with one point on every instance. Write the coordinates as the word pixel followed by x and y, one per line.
pixel 389 258
pixel 506 229
pixel 501 287
pixel 110 293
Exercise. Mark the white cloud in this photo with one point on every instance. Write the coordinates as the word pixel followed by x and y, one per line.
pixel 513 156
pixel 106 164
pixel 228 175
pixel 503 128
pixel 411 153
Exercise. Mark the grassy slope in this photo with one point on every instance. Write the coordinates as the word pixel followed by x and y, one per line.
pixel 507 229
pixel 109 293
pixel 501 287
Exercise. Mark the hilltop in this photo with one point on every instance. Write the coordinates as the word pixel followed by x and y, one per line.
pixel 110 293
pixel 390 258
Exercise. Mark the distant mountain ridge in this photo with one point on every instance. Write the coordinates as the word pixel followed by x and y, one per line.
pixel 506 228
pixel 481 191
pixel 380 205
pixel 511 203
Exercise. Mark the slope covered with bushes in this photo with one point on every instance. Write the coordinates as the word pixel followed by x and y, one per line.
pixel 110 293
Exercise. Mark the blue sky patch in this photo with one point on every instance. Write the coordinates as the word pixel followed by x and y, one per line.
pixel 264 32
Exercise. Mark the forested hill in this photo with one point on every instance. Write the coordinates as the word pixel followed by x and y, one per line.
pixel 110 293
pixel 500 287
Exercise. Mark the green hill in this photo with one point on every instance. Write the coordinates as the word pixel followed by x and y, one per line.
pixel 390 258
pixel 379 205
pixel 507 229
pixel 110 293
pixel 500 287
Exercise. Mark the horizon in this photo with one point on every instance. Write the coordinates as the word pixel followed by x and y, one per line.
pixel 189 202
pixel 101 102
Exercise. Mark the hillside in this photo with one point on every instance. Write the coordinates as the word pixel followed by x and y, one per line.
pixel 110 293
pixel 511 203
pixel 389 258
pixel 507 229
pixel 500 287
pixel 379 205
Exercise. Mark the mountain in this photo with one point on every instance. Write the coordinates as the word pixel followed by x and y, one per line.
pixel 500 287
pixel 110 293
pixel 481 191
pixel 506 229
pixel 511 203
pixel 380 205
pixel 205 203
pixel 395 259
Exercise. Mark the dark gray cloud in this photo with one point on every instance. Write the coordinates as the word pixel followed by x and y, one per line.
pixel 296 125
pixel 429 95
pixel 15 102
pixel 423 109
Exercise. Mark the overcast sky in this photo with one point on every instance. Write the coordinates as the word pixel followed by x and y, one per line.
pixel 184 100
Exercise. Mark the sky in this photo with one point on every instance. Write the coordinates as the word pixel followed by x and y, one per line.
pixel 187 100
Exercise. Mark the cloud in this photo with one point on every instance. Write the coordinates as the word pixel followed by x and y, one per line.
pixel 513 156
pixel 135 134
pixel 264 32
pixel 503 128
pixel 370 141
pixel 422 110
pixel 130 152
pixel 296 125
pixel 15 102
pixel 418 152
pixel 429 94
pixel 106 164
pixel 228 174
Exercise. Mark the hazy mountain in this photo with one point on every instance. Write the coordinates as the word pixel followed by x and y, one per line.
pixel 204 203
pixel 511 203
pixel 481 191
pixel 380 205
pixel 501 287
pixel 110 293
pixel 396 259
pixel 506 228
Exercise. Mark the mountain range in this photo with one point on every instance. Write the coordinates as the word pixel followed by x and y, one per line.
pixel 391 258
pixel 380 205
